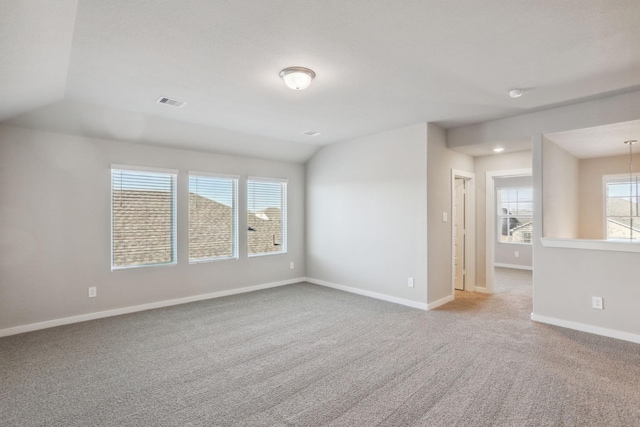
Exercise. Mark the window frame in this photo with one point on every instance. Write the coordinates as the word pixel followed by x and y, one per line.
pixel 283 214
pixel 173 175
pixel 500 217
pixel 235 216
pixel 605 197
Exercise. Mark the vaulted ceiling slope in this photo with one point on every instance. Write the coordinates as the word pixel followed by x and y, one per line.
pixel 97 67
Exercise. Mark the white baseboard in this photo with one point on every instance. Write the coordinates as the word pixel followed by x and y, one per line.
pixel 371 294
pixel 482 290
pixel 440 302
pixel 518 267
pixel 611 333
pixel 132 309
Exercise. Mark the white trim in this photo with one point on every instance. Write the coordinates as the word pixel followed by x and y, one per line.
pixel 605 332
pixel 470 229
pixel 440 302
pixel 482 290
pixel 594 245
pixel 267 179
pixel 370 294
pixel 214 175
pixel 490 219
pixel 135 308
pixel 132 168
pixel 517 267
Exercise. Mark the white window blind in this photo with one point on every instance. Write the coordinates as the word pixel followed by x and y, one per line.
pixel 515 215
pixel 266 216
pixel 213 218
pixel 143 218
pixel 623 207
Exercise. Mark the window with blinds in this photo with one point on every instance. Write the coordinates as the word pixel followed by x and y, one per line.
pixel 515 215
pixel 213 217
pixel 143 218
pixel 266 216
pixel 622 207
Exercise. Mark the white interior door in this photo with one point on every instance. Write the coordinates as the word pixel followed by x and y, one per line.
pixel 459 233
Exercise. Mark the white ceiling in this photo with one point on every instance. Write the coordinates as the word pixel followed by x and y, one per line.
pixel 600 141
pixel 379 64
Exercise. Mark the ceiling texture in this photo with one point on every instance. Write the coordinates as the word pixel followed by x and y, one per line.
pixel 97 68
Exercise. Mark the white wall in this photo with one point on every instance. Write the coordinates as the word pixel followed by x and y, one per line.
pixel 482 165
pixel 440 161
pixel 55 227
pixel 504 253
pixel 367 214
pixel 591 197
pixel 560 189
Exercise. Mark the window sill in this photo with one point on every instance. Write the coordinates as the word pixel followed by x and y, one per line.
pixel 594 245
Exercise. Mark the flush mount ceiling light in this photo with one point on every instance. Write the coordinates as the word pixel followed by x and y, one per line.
pixel 498 150
pixel 516 93
pixel 297 78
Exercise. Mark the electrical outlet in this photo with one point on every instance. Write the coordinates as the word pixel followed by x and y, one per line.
pixel 93 291
pixel 597 303
pixel 445 217
pixel 517 254
pixel 291 265
pixel 410 282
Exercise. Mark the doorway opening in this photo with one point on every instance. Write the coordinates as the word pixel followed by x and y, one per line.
pixel 513 226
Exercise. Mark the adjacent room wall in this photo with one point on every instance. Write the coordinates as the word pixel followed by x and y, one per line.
pixel 565 280
pixel 561 184
pixel 367 214
pixel 482 165
pixel 591 196
pixel 505 252
pixel 55 225
pixel 440 161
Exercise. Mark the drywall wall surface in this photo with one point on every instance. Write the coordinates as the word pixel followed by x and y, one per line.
pixel 505 253
pixel 565 280
pixel 560 189
pixel 367 213
pixel 592 193
pixel 603 111
pixel 55 225
pixel 440 161
pixel 482 165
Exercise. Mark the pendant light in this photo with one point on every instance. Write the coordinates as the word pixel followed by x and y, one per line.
pixel 631 185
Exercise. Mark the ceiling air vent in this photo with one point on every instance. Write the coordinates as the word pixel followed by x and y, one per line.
pixel 172 102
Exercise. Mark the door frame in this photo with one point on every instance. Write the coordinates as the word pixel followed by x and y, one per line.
pixel 470 222
pixel 490 220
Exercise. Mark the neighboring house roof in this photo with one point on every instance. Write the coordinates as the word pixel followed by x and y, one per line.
pixel 141 220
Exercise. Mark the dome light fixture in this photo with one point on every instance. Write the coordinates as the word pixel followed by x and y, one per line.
pixel 516 93
pixel 498 150
pixel 297 78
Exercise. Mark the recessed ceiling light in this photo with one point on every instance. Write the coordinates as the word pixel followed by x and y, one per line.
pixel 172 102
pixel 311 133
pixel 498 150
pixel 297 78
pixel 516 93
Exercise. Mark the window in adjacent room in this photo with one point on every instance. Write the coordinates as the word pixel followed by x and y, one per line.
pixel 622 207
pixel 515 215
pixel 143 217
pixel 213 217
pixel 266 216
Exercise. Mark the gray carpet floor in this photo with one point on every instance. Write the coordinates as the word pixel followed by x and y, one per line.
pixel 304 355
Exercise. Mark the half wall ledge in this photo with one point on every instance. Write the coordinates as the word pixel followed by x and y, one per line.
pixel 594 245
